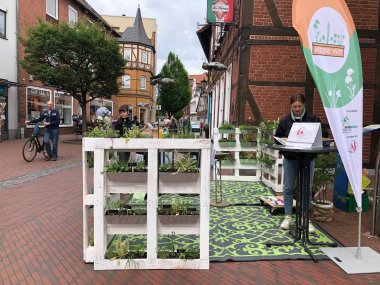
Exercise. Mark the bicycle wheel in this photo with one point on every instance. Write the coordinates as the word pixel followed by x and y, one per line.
pixel 29 150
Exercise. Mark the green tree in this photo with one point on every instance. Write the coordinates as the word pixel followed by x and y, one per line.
pixel 80 59
pixel 174 97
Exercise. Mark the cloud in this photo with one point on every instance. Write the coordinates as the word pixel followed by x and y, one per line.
pixel 176 26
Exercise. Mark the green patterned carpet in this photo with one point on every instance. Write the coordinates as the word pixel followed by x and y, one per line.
pixel 239 232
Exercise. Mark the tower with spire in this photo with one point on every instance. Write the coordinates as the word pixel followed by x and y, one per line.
pixel 139 52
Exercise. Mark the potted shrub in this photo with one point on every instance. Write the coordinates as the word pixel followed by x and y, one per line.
pixel 322 207
pixel 226 128
pixel 248 157
pixel 184 170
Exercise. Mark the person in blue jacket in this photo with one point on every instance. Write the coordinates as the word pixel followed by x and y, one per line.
pixel 51 119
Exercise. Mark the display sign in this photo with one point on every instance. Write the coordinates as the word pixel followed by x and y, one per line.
pixel 331 48
pixel 220 11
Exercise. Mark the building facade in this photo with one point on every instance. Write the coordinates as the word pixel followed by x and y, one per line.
pixel 25 96
pixel 139 51
pixel 266 65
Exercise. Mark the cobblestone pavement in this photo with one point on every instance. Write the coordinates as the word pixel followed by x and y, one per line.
pixel 41 235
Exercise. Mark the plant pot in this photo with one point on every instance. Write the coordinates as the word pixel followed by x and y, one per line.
pixel 131 177
pixel 322 212
pixel 226 131
pixel 248 144
pixel 178 219
pixel 227 143
pixel 248 161
pixel 180 177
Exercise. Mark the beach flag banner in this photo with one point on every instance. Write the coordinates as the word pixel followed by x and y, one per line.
pixel 331 48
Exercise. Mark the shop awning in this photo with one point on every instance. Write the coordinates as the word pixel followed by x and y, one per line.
pixel 5 82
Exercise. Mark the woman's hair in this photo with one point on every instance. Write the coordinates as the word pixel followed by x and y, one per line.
pixel 123 108
pixel 297 97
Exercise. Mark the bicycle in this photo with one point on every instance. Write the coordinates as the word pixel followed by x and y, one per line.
pixel 33 145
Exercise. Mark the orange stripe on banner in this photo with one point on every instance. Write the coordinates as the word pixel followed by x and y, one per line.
pixel 303 11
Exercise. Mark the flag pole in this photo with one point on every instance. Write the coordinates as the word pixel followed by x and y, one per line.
pixel 358 250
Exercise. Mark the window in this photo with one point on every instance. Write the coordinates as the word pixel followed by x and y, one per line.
pixel 36 99
pixel 64 104
pixel 144 56
pixel 142 82
pixel 97 103
pixel 127 54
pixel 52 8
pixel 126 81
pixel 2 24
pixel 73 15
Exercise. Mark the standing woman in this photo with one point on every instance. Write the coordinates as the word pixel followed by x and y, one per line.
pixel 297 113
pixel 123 125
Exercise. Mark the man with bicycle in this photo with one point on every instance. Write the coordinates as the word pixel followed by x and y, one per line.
pixel 51 120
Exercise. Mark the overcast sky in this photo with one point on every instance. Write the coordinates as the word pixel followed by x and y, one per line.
pixel 176 26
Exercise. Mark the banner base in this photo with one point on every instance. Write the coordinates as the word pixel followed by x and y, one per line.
pixel 345 258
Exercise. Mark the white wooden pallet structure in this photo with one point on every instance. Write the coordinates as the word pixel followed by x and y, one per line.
pixel 152 228
pixel 237 166
pixel 273 177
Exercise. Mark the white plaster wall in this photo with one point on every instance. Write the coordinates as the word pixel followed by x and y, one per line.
pixel 8 62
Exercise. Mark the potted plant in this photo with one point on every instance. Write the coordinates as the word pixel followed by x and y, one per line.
pixel 120 171
pixel 117 212
pixel 121 249
pixel 266 161
pixel 184 170
pixel 322 207
pixel 226 142
pixel 248 157
pixel 267 130
pixel 229 160
pixel 180 212
pixel 172 250
pixel 226 128
pixel 248 141
pixel 246 129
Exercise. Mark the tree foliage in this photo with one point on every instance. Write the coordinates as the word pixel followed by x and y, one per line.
pixel 79 59
pixel 174 97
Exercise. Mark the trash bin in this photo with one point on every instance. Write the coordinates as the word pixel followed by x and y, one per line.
pixel 342 198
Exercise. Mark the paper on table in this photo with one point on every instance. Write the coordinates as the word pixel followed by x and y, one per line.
pixel 280 140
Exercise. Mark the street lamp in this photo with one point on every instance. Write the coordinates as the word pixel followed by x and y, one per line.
pixel 203 85
pixel 213 66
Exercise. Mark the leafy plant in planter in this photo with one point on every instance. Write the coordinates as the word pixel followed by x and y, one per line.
pixel 226 142
pixel 244 129
pixel 265 159
pixel 121 250
pixel 226 128
pixel 248 157
pixel 248 140
pixel 229 159
pixel 266 132
pixel 184 170
pixel 115 207
pixel 134 133
pixel 171 250
pixel 99 132
pixel 117 166
pixel 323 208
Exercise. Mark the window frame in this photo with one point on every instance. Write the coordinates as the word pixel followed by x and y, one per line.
pixel 35 91
pixel 142 83
pixel 144 53
pixel 4 36
pixel 122 81
pixel 56 9
pixel 72 9
pixel 129 53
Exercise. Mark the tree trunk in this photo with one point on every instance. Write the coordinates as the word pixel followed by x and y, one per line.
pixel 83 105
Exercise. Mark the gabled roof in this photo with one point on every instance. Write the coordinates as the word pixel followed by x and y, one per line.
pixel 95 14
pixel 136 34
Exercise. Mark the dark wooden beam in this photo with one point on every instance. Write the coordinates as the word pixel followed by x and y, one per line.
pixel 309 91
pixel 277 83
pixel 273 13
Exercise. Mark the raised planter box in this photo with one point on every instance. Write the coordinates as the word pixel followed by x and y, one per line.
pixel 228 162
pixel 132 177
pixel 178 219
pixel 249 161
pixel 227 143
pixel 226 131
pixel 180 177
pixel 125 219
pixel 248 144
